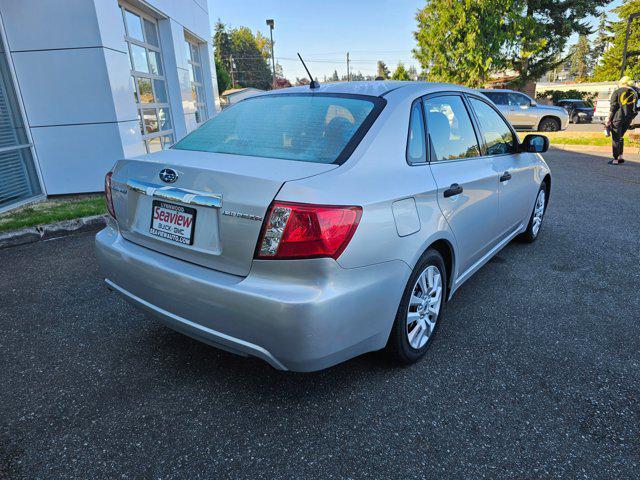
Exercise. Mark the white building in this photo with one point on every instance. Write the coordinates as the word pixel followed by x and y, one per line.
pixel 86 82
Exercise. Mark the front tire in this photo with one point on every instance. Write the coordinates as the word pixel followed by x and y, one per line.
pixel 530 235
pixel 549 124
pixel 421 309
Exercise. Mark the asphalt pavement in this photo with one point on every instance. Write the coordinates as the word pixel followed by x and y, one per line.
pixel 534 374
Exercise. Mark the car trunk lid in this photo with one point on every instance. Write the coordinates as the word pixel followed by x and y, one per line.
pixel 218 200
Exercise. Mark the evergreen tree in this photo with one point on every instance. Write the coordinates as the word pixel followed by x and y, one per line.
pixel 334 77
pixel 601 41
pixel 224 79
pixel 383 71
pixel 252 68
pixel 400 73
pixel 221 43
pixel 581 59
pixel 611 62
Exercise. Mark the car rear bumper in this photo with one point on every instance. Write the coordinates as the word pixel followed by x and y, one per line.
pixel 300 315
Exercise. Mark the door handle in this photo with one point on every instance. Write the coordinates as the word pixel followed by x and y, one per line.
pixel 454 189
pixel 505 176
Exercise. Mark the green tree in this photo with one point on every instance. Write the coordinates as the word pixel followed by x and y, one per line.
pixel 459 40
pixel 224 79
pixel 221 43
pixel 334 77
pixel 400 73
pixel 464 41
pixel 609 67
pixel 537 32
pixel 581 59
pixel 383 71
pixel 252 70
pixel 601 41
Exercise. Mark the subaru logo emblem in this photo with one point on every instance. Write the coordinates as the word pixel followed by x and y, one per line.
pixel 168 175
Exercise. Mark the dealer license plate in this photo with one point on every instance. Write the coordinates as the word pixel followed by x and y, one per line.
pixel 173 222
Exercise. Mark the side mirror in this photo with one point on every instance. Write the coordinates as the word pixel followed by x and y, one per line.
pixel 535 144
pixel 534 103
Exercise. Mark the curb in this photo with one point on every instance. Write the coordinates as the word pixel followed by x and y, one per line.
pixel 52 230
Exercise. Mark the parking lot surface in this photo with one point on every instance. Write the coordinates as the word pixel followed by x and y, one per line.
pixel 534 374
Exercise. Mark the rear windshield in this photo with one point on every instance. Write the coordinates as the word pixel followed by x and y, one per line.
pixel 311 128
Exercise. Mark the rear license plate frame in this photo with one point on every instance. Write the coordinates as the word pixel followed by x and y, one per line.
pixel 173 237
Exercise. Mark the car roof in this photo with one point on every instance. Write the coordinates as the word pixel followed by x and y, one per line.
pixel 498 90
pixel 376 88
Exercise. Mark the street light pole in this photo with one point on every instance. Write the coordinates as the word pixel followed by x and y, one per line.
pixel 626 42
pixel 348 72
pixel 270 23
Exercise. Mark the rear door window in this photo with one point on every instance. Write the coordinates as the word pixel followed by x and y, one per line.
pixel 451 133
pixel 498 137
pixel 303 127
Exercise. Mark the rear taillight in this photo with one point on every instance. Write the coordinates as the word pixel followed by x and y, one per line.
pixel 297 230
pixel 107 194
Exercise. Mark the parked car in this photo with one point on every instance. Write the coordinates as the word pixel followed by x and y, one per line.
pixel 524 113
pixel 305 227
pixel 579 110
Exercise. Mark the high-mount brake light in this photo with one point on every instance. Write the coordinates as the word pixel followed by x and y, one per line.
pixel 107 194
pixel 299 230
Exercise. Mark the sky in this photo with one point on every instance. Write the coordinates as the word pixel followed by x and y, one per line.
pixel 323 31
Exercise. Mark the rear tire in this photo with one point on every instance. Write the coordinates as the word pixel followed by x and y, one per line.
pixel 549 124
pixel 530 235
pixel 421 310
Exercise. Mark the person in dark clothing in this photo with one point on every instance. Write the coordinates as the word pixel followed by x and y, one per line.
pixel 622 110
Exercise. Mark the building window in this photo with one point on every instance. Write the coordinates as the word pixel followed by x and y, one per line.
pixel 19 180
pixel 148 82
pixel 195 75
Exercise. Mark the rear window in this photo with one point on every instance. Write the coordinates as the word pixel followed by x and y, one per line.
pixel 305 127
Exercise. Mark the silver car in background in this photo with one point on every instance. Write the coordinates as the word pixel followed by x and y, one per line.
pixel 525 113
pixel 308 226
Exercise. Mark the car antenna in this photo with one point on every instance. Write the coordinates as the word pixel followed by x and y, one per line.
pixel 314 83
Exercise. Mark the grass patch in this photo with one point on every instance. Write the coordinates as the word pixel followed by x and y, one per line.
pixel 52 211
pixel 585 138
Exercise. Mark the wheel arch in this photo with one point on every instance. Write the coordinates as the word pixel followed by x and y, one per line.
pixel 445 248
pixel 552 117
pixel 547 183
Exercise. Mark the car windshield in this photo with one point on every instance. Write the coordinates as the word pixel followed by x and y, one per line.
pixel 303 127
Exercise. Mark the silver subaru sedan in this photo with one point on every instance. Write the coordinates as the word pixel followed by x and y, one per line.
pixel 307 226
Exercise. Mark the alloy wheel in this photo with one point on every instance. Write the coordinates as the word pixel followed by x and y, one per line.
pixel 424 306
pixel 538 213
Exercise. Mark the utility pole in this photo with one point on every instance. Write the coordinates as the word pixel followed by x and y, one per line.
pixel 231 67
pixel 626 42
pixel 270 23
pixel 348 73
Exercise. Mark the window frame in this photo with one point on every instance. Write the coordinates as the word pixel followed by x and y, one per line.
pixel 135 75
pixel 424 133
pixel 200 103
pixel 461 95
pixel 478 125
